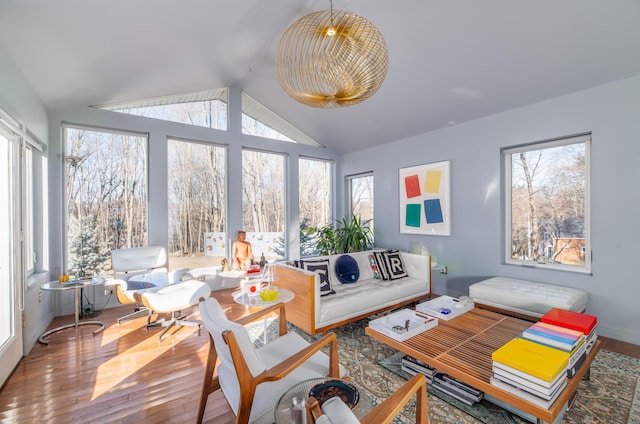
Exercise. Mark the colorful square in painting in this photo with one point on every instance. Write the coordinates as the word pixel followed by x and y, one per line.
pixel 432 181
pixel 433 211
pixel 412 186
pixel 413 215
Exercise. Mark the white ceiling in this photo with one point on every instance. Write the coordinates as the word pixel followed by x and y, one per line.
pixel 450 61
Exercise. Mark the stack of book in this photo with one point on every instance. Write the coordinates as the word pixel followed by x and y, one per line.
pixel 530 370
pixel 443 382
pixel 414 366
pixel 574 321
pixel 456 388
pixel 562 338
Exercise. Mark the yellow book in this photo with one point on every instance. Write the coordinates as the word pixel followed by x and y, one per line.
pixel 533 358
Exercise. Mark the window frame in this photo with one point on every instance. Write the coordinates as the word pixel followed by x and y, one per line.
pixel 114 131
pixel 349 180
pixel 506 157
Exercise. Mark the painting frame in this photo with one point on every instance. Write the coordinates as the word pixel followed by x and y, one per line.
pixel 425 199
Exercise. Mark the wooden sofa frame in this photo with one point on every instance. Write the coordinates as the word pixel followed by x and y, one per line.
pixel 301 309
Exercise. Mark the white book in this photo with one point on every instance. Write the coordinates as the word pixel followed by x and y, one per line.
pixel 506 375
pixel 534 379
pixel 545 394
pixel 543 403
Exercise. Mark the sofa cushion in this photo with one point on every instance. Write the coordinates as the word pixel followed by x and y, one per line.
pixel 374 267
pixel 390 265
pixel 322 268
pixel 347 269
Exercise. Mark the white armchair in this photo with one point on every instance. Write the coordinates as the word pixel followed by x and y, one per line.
pixel 253 379
pixel 138 269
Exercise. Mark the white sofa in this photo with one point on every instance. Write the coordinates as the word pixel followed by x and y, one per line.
pixel 314 313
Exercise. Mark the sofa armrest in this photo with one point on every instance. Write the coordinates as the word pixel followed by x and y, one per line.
pixel 301 310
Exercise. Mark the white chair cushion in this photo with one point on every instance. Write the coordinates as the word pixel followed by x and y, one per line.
pixel 138 258
pixel 175 297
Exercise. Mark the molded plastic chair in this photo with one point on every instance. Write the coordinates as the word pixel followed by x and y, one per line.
pixel 335 411
pixel 253 379
pixel 138 269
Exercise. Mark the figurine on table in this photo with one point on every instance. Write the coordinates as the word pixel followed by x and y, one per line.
pixel 241 252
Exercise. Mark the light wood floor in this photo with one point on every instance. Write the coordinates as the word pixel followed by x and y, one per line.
pixel 125 375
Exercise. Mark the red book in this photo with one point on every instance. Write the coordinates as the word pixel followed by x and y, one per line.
pixel 569 319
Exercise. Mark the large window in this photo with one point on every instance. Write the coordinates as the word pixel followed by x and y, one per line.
pixel 547 204
pixel 203 108
pixel 361 196
pixel 260 121
pixel 263 207
pixel 106 196
pixel 197 204
pixel 314 188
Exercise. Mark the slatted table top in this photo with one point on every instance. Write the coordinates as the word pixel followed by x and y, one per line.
pixel 462 348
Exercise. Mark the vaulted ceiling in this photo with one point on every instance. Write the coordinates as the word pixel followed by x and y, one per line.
pixel 450 61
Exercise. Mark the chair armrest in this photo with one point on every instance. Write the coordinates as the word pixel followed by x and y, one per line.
pixel 389 409
pixel 285 367
pixel 277 308
pixel 175 276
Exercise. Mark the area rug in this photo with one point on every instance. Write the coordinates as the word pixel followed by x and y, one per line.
pixel 612 395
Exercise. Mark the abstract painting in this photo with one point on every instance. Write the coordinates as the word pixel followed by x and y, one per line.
pixel 425 199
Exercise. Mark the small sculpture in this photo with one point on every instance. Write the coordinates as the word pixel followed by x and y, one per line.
pixel 225 265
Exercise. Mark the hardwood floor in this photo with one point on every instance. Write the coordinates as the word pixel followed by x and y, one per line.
pixel 125 375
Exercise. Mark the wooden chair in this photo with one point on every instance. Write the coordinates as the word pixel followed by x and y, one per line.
pixel 334 411
pixel 253 379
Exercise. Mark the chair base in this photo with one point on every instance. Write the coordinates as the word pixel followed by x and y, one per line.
pixel 178 321
pixel 136 312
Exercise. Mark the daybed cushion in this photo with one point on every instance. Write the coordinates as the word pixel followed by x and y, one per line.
pixel 527 297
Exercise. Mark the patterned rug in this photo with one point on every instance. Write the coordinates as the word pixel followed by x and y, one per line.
pixel 612 395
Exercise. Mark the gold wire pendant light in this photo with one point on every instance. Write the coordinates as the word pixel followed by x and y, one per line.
pixel 330 59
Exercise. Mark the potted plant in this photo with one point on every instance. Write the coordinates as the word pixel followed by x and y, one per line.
pixel 350 235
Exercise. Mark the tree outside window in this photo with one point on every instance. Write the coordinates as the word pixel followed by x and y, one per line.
pixel 263 197
pixel 197 204
pixel 547 207
pixel 106 196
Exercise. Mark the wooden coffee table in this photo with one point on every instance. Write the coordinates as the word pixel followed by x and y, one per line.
pixel 462 348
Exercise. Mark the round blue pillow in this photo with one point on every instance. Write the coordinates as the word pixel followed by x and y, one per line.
pixel 347 269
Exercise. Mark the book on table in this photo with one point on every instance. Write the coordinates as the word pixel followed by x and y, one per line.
pixel 417 365
pixel 532 358
pixel 520 392
pixel 499 368
pixel 543 388
pixel 454 387
pixel 569 319
pixel 553 337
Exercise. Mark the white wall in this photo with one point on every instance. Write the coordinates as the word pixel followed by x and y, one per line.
pixel 611 113
pixel 18 99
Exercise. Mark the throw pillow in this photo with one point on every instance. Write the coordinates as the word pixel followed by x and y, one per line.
pixel 390 265
pixel 347 269
pixel 322 268
pixel 374 267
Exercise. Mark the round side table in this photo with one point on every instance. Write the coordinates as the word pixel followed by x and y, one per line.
pixel 75 285
pixel 283 410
